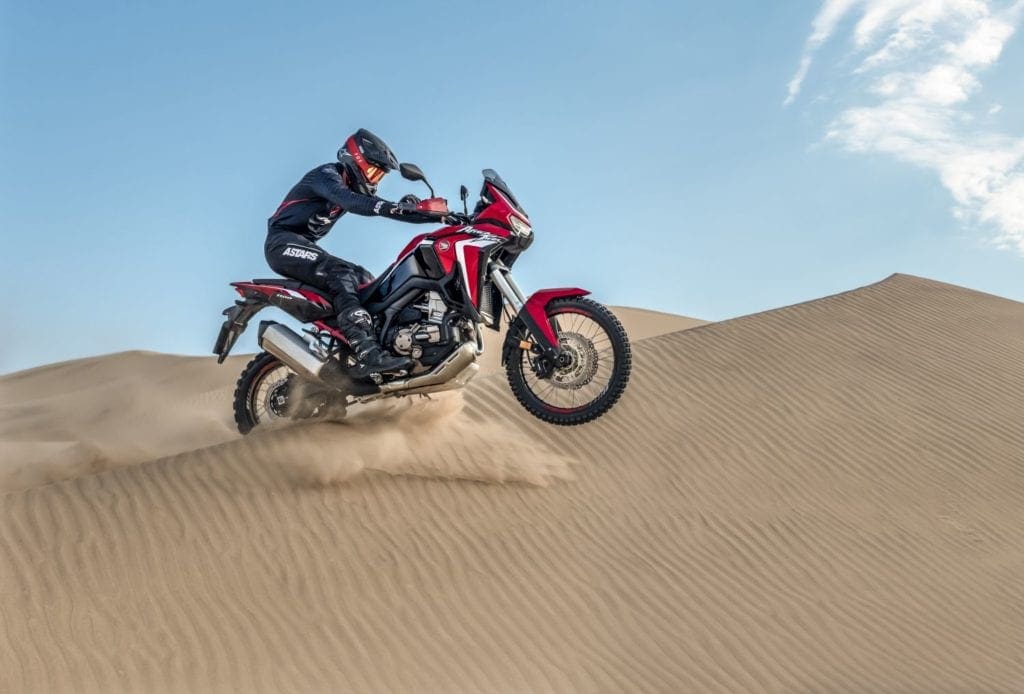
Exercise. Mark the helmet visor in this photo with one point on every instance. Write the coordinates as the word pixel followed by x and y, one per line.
pixel 374 174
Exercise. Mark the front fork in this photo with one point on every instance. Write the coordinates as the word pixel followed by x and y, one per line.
pixel 501 275
pixel 531 313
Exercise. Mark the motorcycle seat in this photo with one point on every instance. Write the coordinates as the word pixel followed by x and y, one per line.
pixel 293 284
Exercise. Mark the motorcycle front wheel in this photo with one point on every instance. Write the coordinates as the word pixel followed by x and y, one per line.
pixel 593 373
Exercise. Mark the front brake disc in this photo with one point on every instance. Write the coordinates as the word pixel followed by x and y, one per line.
pixel 582 365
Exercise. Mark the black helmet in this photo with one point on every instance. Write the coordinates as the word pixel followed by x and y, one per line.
pixel 369 156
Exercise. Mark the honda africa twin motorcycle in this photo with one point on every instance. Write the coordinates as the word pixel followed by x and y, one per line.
pixel 567 357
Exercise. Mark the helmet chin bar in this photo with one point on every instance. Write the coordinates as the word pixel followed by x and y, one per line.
pixel 362 184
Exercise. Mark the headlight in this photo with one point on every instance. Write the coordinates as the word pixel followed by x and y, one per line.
pixel 520 227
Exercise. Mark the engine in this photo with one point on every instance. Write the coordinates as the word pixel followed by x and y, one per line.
pixel 425 331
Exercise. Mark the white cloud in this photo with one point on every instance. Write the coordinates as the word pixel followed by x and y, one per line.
pixel 824 24
pixel 921 62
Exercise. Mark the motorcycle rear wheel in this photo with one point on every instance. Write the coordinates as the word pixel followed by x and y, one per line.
pixel 596 372
pixel 261 393
pixel 269 392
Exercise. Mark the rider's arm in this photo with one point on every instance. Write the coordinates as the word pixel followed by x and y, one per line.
pixel 327 183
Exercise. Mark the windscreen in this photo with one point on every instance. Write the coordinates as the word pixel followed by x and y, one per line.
pixel 491 176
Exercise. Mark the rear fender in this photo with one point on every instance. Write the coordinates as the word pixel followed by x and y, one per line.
pixel 238 317
pixel 534 318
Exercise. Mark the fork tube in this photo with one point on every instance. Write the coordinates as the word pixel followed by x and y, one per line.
pixel 502 278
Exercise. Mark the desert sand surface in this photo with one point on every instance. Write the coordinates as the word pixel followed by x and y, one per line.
pixel 87 415
pixel 827 497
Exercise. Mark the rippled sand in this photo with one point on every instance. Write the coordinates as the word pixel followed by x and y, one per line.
pixel 824 497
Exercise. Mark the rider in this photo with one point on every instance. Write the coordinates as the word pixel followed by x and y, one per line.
pixel 308 212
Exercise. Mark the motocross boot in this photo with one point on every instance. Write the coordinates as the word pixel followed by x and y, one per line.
pixel 371 358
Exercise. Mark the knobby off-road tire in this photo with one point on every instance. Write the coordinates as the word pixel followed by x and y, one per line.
pixel 284 396
pixel 601 362
pixel 248 390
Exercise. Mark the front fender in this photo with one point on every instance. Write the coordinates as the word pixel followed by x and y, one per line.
pixel 534 318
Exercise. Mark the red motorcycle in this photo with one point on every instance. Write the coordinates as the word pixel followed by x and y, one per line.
pixel 567 357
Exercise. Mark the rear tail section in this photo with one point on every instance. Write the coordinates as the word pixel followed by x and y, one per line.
pixel 305 303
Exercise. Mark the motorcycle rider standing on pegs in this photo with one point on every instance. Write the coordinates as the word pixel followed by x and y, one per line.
pixel 308 212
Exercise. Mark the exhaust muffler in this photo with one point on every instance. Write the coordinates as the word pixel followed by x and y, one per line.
pixel 287 346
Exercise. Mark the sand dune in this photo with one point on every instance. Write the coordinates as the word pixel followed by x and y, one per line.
pixel 824 497
pixel 88 415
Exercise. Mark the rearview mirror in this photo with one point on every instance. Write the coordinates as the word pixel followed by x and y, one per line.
pixel 411 172
pixel 464 193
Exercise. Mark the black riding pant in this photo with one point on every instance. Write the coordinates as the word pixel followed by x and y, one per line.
pixel 295 256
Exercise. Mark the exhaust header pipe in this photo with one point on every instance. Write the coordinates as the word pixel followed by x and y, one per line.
pixel 446 371
pixel 295 352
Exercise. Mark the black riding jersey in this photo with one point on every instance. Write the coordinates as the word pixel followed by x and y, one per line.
pixel 316 202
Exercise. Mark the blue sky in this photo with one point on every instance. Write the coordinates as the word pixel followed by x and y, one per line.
pixel 144 145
